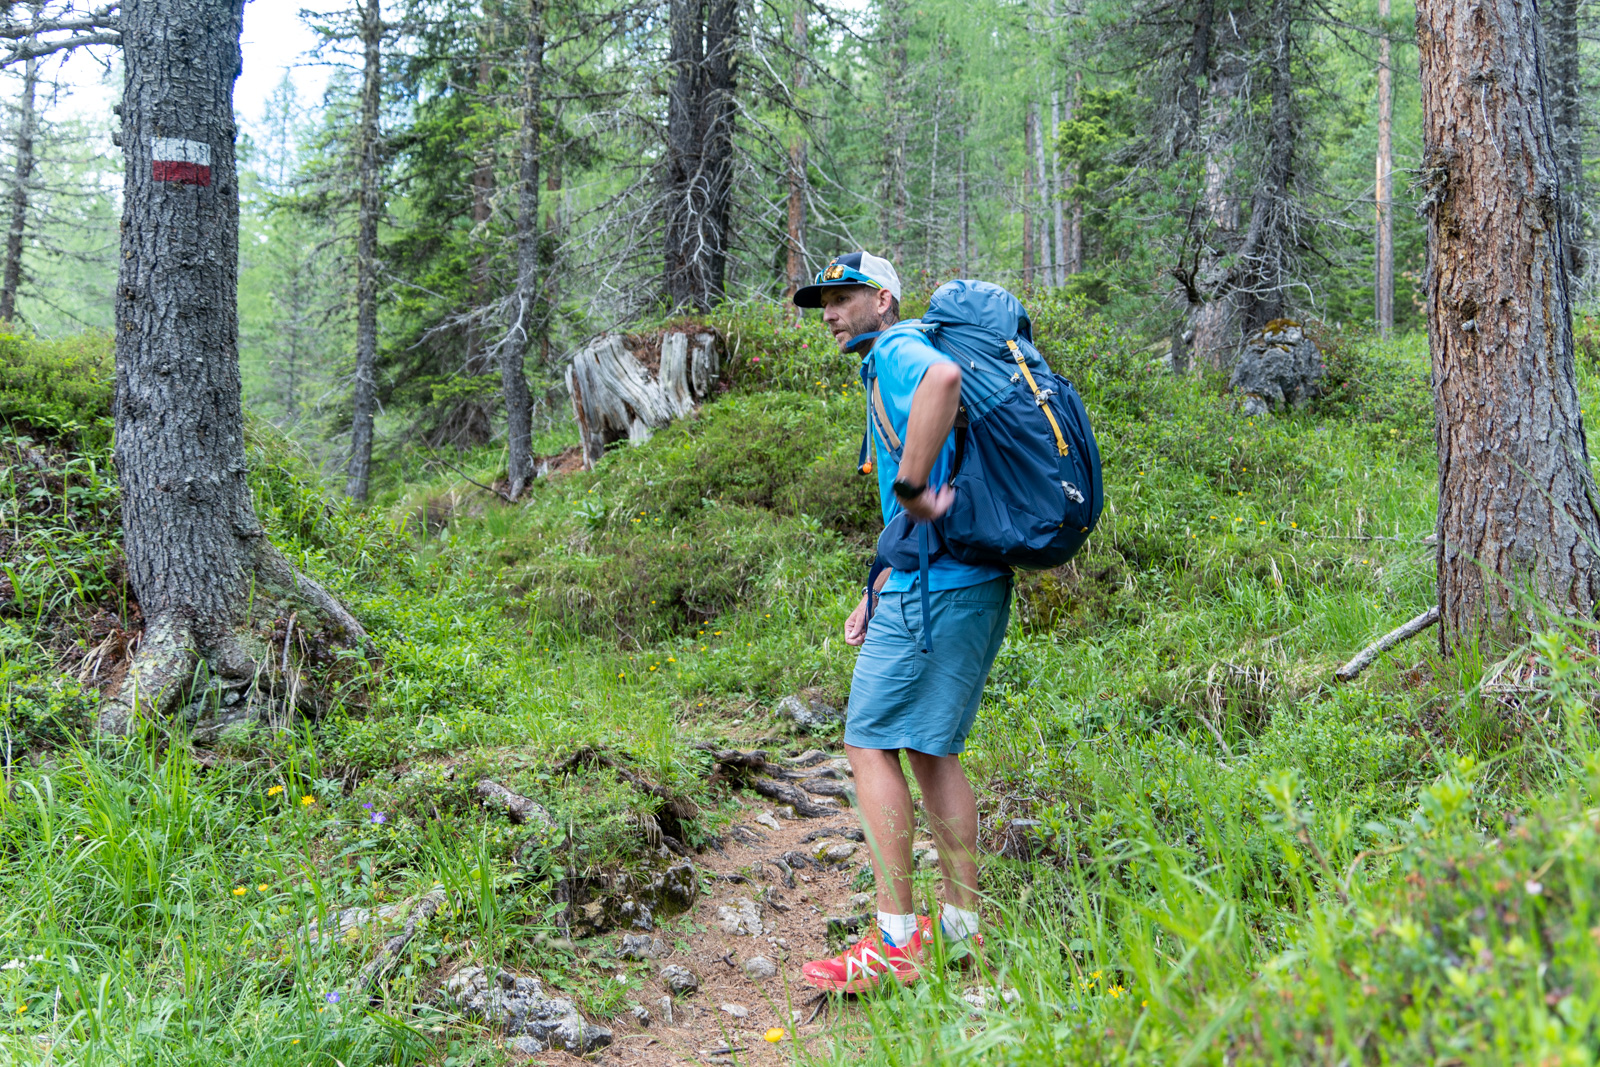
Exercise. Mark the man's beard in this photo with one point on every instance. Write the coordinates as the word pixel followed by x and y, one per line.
pixel 868 321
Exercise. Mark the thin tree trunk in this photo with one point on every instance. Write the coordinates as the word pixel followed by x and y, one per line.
pixel 552 235
pixel 358 474
pixel 1564 79
pixel 22 175
pixel 525 300
pixel 964 236
pixel 1199 68
pixel 894 20
pixel 1264 266
pixel 699 164
pixel 200 564
pixel 795 264
pixel 1518 514
pixel 1027 199
pixel 1057 200
pixel 1213 329
pixel 482 189
pixel 1384 195
pixel 1047 266
pixel 1075 230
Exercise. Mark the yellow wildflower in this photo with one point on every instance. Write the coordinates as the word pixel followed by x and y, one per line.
pixel 275 790
pixel 308 801
pixel 239 890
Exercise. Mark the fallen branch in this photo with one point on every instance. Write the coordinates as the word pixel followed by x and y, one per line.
pixel 421 912
pixel 680 807
pixel 1364 658
pixel 518 808
pixel 486 488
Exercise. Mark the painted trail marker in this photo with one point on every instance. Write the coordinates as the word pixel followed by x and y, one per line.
pixel 174 159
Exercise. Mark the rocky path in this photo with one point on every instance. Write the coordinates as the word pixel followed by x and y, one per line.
pixel 727 972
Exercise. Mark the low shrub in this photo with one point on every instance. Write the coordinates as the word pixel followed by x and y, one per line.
pixel 61 388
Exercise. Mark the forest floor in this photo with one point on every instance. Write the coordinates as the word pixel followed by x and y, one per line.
pixel 1232 859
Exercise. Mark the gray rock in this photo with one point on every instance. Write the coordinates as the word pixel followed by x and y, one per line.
pixel 835 854
pixel 808 714
pixel 759 968
pixel 641 1014
pixel 516 1005
pixel 766 819
pixel 742 916
pixel 1279 368
pixel 785 811
pixel 664 1006
pixel 738 1011
pixel 680 981
pixel 636 915
pixel 845 925
pixel 927 859
pixel 643 947
pixel 859 901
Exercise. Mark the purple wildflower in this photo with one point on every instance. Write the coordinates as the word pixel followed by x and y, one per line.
pixel 379 818
pixel 333 998
pixel 367 806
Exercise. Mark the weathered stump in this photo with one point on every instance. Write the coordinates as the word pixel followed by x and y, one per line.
pixel 616 395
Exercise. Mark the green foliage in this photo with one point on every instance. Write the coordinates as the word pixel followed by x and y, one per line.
pixel 58 387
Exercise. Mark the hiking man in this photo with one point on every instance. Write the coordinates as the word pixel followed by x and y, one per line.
pixel 902 698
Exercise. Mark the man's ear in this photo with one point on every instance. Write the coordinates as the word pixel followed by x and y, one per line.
pixel 885 301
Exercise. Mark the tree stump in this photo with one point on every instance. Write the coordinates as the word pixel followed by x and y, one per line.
pixel 615 395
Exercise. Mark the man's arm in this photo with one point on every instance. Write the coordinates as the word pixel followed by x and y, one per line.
pixel 933 413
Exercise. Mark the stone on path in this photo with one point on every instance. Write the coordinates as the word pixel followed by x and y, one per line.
pixel 738 1011
pixel 643 947
pixel 834 854
pixel 807 713
pixel 680 981
pixel 759 968
pixel 516 1005
pixel 741 917
pixel 766 819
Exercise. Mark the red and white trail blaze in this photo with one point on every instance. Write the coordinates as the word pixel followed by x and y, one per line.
pixel 174 159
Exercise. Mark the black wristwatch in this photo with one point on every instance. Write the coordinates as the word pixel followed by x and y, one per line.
pixel 907 491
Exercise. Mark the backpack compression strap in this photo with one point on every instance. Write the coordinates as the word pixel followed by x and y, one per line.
pixel 1039 397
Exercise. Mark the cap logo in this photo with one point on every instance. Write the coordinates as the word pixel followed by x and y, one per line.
pixel 834 272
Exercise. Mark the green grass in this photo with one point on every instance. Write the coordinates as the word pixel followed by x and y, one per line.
pixel 1162 706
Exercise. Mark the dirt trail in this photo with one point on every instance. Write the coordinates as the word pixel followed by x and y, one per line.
pixel 792 908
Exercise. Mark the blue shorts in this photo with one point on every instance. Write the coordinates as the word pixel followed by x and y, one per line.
pixel 902 697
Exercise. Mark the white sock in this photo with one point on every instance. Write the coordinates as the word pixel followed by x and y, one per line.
pixel 897 929
pixel 958 923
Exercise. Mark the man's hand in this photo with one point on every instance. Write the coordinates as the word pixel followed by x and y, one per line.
pixel 855 627
pixel 930 505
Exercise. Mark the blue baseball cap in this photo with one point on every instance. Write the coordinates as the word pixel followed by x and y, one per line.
pixel 850 269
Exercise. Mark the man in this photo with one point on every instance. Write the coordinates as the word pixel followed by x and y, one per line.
pixel 902 699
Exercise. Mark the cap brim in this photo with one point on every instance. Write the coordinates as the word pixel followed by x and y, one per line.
pixel 810 296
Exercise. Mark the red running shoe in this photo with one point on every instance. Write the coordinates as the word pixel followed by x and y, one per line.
pixel 866 964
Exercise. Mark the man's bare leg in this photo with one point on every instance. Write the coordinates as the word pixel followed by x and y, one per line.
pixel 884 802
pixel 953 818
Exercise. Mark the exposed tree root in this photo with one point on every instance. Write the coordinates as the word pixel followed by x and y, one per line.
pixel 1364 658
pixel 752 770
pixel 175 651
pixel 423 910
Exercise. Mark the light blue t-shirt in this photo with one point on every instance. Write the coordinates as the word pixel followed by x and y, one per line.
pixel 901 357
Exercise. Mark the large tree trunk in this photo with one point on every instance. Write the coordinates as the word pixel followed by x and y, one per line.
pixel 1213 328
pixel 21 178
pixel 1518 514
pixel 1047 264
pixel 699 165
pixel 525 309
pixel 795 260
pixel 1564 80
pixel 475 364
pixel 1265 263
pixel 358 475
pixel 1383 297
pixel 1198 70
pixel 201 566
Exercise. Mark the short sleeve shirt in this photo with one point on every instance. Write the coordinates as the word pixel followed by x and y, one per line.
pixel 900 358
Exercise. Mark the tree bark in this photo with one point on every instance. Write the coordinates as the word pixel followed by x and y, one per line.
pixel 699 156
pixel 1199 69
pixel 1564 79
pixel 795 262
pixel 200 564
pixel 1027 199
pixel 22 176
pixel 482 190
pixel 1265 264
pixel 1518 513
pixel 1213 328
pixel 525 304
pixel 894 20
pixel 963 228
pixel 1047 264
pixel 358 474
pixel 1384 190
pixel 1074 260
pixel 1056 188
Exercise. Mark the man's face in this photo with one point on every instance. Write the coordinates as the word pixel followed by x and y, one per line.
pixel 851 310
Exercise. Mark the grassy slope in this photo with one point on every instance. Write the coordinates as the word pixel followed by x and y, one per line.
pixel 1161 707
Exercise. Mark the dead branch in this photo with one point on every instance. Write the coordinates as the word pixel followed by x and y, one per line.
pixel 1364 658
pixel 423 910
pixel 682 807
pixel 518 808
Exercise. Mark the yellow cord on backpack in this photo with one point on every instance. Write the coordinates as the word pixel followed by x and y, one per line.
pixel 1022 361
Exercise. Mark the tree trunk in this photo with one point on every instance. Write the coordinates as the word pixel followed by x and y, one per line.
pixel 1384 194
pixel 1564 78
pixel 1213 328
pixel 525 310
pixel 482 190
pixel 358 475
pixel 1199 69
pixel 552 232
pixel 795 264
pixel 699 163
pixel 894 19
pixel 1074 260
pixel 1265 264
pixel 1047 264
pixel 22 176
pixel 1518 514
pixel 200 564
pixel 1056 188
pixel 1027 199
pixel 963 230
